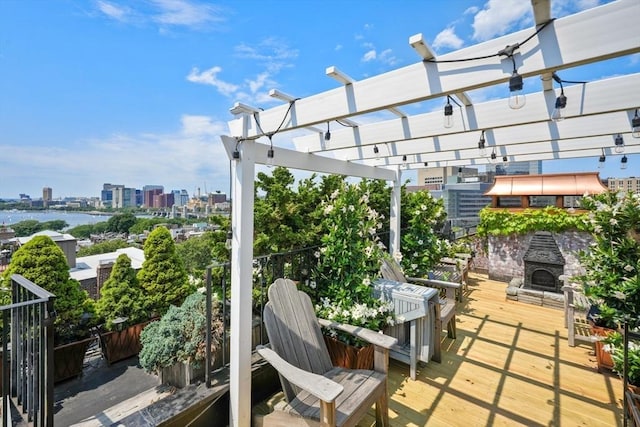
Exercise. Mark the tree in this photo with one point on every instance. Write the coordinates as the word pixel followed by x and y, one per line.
pixel 121 223
pixel 103 247
pixel 85 231
pixel 163 276
pixel 121 295
pixel 41 261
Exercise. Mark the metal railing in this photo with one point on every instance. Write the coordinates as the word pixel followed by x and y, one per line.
pixel 27 350
pixel 298 265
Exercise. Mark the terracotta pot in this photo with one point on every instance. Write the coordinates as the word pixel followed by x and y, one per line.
pixel 348 356
pixel 603 358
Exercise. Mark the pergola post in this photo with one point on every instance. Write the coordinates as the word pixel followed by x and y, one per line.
pixel 395 215
pixel 243 171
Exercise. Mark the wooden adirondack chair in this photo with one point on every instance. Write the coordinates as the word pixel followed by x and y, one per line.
pixel 445 313
pixel 316 392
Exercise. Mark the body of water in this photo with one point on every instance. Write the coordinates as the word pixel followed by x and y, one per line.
pixel 71 218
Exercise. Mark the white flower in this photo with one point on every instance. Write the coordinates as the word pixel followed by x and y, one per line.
pixel 312 284
pixel 366 281
pixel 420 242
pixel 397 256
pixel 351 208
pixel 316 254
pixel 613 221
pixel 328 209
pixel 414 266
pixel 202 290
pixel 628 268
pixel 620 295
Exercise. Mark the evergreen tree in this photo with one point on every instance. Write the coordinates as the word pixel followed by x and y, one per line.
pixel 163 275
pixel 41 261
pixel 121 295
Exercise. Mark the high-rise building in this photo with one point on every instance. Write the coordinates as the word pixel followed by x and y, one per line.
pixel 149 192
pixel 533 167
pixel 624 184
pixel 107 193
pixel 47 196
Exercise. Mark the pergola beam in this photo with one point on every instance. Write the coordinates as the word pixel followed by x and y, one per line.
pixel 619 94
pixel 567 42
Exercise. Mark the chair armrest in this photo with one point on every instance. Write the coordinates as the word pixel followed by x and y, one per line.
pixel 434 283
pixel 319 386
pixel 368 335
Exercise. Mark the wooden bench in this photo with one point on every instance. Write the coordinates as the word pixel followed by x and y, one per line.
pixel 576 307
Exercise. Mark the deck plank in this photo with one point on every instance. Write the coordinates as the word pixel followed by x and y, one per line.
pixel 511 365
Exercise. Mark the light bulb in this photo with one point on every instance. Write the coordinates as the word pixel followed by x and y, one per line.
pixel 229 242
pixel 482 150
pixel 558 112
pixel 270 158
pixel 376 151
pixel 517 99
pixel 601 161
pixel 623 162
pixel 404 161
pixel 635 126
pixel 448 115
pixel 493 157
pixel 505 161
pixel 619 142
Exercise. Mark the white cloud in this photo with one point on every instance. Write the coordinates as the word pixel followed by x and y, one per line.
pixel 184 159
pixel 471 10
pixel 387 57
pixel 187 13
pixel 210 77
pixel 500 16
pixel 369 56
pixel 447 38
pixel 338 47
pixel 113 11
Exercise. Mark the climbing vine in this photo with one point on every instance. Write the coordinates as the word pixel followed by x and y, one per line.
pixel 504 222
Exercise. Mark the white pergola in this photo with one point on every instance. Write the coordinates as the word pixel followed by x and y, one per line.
pixel 595 113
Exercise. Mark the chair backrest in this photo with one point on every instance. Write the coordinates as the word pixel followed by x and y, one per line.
pixel 294 332
pixel 391 270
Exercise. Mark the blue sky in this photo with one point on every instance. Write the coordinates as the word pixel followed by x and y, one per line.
pixel 137 92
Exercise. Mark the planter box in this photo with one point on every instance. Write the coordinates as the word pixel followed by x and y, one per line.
pixel 181 374
pixel 348 356
pixel 68 359
pixel 120 345
pixel 603 358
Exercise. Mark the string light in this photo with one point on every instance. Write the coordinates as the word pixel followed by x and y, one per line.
pixel 601 160
pixel 448 113
pixel 404 161
pixel 376 151
pixel 482 150
pixel 619 142
pixel 623 162
pixel 327 134
pixel 635 125
pixel 561 101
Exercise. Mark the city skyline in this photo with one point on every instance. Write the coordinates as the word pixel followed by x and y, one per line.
pixel 114 91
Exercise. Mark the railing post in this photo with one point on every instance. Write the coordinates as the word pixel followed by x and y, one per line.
pixel 207 371
pixel 50 317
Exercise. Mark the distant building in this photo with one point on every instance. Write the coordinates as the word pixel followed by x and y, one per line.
pixel 533 167
pixel 123 197
pixel 164 200
pixel 107 193
pixel 149 192
pixel 47 196
pixel 624 184
pixel 93 270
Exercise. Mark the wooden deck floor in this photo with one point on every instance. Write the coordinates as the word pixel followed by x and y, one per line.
pixel 510 365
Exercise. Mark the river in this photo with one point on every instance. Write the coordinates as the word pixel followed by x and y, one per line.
pixel 71 218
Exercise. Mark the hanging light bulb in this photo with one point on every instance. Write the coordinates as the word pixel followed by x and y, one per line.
pixel 404 161
pixel 376 151
pixel 623 162
pixel 229 242
pixel 635 125
pixel 619 141
pixel 558 112
pixel 270 157
pixel 448 113
pixel 601 160
pixel 505 161
pixel 517 99
pixel 327 134
pixel 482 150
pixel 493 156
pixel 561 101
pixel 426 164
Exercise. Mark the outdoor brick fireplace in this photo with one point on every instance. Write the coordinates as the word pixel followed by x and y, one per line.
pixel 543 263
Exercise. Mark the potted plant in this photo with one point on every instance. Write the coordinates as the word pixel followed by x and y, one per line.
pixel 611 279
pixel 614 345
pixel 41 261
pixel 349 260
pixel 122 308
pixel 174 347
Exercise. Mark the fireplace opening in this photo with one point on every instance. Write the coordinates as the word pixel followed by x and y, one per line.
pixel 543 263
